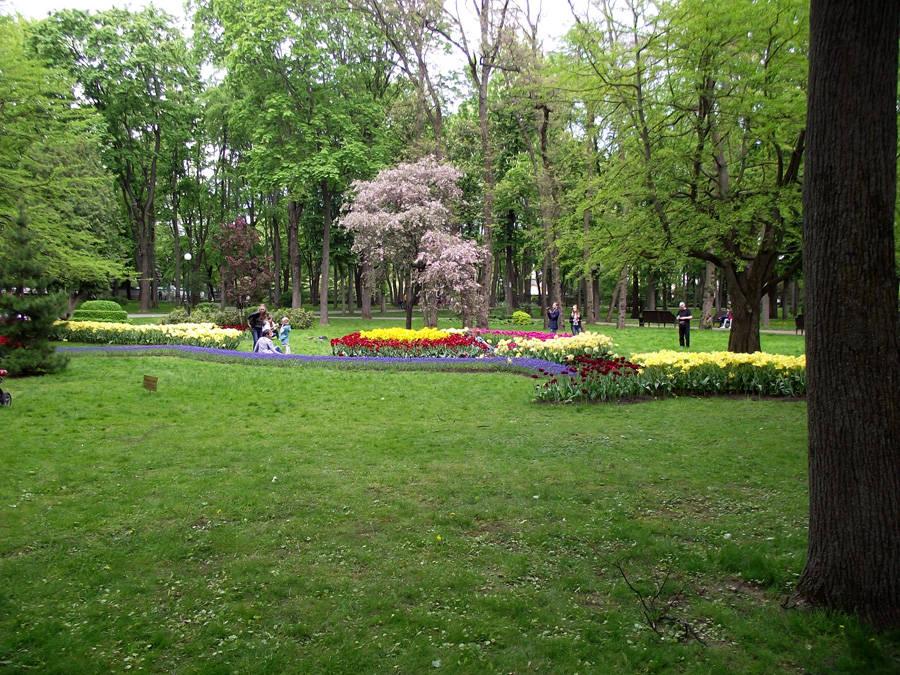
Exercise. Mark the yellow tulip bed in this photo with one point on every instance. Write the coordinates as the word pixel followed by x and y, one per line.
pixel 672 373
pixel 403 334
pixel 191 334
pixel 558 349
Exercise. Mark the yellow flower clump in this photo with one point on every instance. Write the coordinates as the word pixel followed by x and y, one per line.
pixel 686 360
pixel 205 334
pixel 403 335
pixel 558 347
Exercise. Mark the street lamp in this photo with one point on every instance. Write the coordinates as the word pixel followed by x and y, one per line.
pixel 187 290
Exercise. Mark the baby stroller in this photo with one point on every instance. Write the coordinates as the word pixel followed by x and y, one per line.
pixel 5 398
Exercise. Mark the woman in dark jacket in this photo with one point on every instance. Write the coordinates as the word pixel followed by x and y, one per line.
pixel 255 321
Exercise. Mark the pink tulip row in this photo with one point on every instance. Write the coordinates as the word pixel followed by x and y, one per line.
pixel 530 335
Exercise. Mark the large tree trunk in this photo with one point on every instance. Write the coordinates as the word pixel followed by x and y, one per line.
pixel 326 252
pixel 623 298
pixel 745 306
pixel 709 296
pixel 294 211
pixel 853 352
pixel 589 308
pixel 366 297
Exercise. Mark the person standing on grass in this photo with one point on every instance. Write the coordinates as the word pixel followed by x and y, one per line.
pixel 575 320
pixel 553 315
pixel 255 321
pixel 684 317
pixel 284 335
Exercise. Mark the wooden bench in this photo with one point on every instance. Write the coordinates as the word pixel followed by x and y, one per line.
pixel 657 316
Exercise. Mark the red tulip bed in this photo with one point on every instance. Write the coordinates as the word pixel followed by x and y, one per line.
pixel 454 345
pixel 590 379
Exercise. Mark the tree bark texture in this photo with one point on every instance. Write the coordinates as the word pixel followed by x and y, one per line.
pixel 294 211
pixel 326 253
pixel 709 296
pixel 853 352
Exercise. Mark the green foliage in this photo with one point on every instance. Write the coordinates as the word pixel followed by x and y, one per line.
pixel 27 311
pixel 177 315
pixel 300 318
pixel 520 318
pixel 49 163
pixel 205 312
pixel 104 305
pixel 100 310
pixel 99 315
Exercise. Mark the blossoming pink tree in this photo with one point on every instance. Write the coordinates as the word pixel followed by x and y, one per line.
pixel 448 266
pixel 404 218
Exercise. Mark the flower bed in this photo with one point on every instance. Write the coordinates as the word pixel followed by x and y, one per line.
pixel 398 342
pixel 558 349
pixel 590 379
pixel 723 372
pixel 191 334
pixel 404 334
pixel 671 373
pixel 494 336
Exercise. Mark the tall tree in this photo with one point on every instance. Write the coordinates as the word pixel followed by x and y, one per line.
pixel 483 51
pixel 49 163
pixel 131 68
pixel 245 273
pixel 710 152
pixel 405 27
pixel 308 82
pixel 28 309
pixel 853 351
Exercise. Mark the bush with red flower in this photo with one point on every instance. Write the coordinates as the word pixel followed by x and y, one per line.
pixel 592 379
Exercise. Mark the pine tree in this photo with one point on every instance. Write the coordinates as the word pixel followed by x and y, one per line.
pixel 27 310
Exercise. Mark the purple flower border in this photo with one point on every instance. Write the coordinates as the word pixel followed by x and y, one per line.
pixel 495 364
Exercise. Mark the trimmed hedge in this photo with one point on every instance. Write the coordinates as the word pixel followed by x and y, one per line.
pixel 100 310
pixel 104 305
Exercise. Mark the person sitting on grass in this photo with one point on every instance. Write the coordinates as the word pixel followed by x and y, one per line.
pixel 265 345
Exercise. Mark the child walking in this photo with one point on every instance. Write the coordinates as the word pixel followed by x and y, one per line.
pixel 284 335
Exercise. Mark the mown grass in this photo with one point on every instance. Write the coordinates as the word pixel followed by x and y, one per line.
pixel 252 519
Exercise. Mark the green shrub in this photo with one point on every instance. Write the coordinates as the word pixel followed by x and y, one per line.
pixel 520 318
pixel 205 312
pixel 300 318
pixel 101 305
pixel 177 315
pixel 100 310
pixel 205 308
pixel 99 315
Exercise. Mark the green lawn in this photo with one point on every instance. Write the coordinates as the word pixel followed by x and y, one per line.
pixel 248 519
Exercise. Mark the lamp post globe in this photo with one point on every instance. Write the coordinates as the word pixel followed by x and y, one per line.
pixel 187 261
